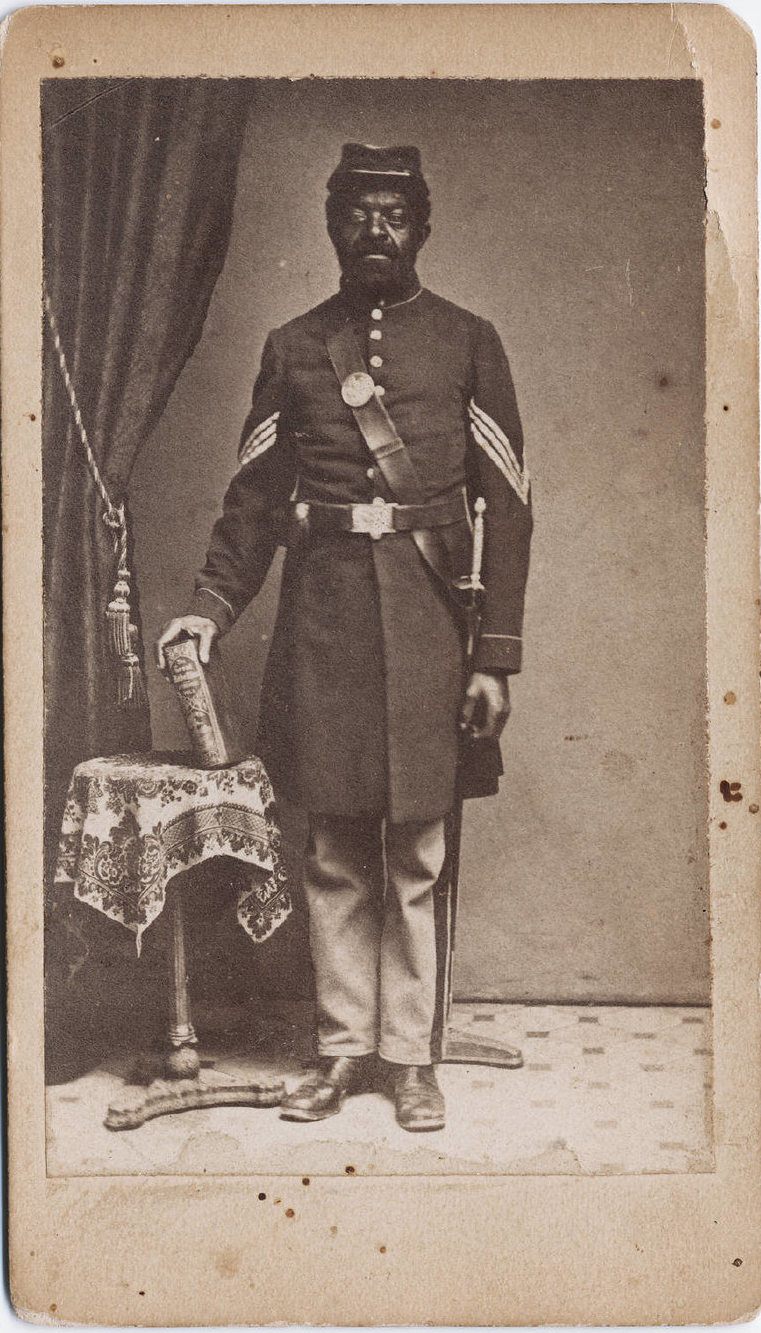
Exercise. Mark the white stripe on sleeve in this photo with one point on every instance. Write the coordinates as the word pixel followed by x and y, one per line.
pixel 496 445
pixel 261 430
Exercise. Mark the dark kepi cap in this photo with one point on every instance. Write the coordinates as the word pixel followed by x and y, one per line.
pixel 364 165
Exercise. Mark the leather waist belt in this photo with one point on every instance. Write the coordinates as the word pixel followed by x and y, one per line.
pixel 378 518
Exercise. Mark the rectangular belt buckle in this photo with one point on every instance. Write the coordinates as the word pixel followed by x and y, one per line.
pixel 373 520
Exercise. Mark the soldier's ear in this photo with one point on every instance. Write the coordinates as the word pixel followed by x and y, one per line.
pixel 333 210
pixel 424 231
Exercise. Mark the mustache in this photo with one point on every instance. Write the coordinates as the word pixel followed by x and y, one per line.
pixel 376 248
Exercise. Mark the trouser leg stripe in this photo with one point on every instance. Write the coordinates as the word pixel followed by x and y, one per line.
pixel 444 914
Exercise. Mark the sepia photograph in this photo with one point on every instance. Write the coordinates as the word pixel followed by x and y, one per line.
pixel 396 609
pixel 341 902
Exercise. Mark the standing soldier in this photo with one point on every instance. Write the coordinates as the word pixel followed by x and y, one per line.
pixel 376 418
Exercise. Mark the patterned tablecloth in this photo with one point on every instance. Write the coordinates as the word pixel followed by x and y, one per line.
pixel 132 821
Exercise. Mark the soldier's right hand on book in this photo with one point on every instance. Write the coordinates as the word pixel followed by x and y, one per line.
pixel 198 627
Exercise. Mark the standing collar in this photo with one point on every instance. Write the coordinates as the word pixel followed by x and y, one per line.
pixel 360 303
pixel 391 305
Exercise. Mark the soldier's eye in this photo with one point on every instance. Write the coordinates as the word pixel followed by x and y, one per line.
pixel 398 218
pixel 356 215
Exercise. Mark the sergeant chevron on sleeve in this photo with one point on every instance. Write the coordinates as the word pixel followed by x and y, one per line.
pixel 377 419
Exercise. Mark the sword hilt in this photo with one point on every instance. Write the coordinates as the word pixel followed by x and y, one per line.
pixel 471 583
pixel 479 509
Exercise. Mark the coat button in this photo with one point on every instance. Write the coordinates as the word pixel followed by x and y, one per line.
pixel 376 335
pixel 371 474
pixel 376 362
pixel 376 313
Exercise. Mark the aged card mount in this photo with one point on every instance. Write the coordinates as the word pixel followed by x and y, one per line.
pixel 351 1245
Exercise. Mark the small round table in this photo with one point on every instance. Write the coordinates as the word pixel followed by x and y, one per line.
pixel 131 823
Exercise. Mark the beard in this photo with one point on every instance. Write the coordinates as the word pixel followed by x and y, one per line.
pixel 379 271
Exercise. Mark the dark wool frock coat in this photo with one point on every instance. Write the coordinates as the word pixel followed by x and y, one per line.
pixel 365 675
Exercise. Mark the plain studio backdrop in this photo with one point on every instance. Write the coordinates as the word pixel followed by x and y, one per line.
pixel 570 214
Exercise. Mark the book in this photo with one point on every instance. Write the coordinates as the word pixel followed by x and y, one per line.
pixel 205 699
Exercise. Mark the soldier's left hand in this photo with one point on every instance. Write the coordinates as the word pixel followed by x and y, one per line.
pixel 486 706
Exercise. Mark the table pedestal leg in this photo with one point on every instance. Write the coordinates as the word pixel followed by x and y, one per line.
pixel 176 1081
pixel 182 1060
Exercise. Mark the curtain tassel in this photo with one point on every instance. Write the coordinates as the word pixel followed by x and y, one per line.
pixel 130 686
pixel 122 633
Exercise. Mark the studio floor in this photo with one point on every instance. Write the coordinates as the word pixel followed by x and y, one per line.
pixel 604 1090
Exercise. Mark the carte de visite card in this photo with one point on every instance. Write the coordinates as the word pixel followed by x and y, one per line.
pixel 380 404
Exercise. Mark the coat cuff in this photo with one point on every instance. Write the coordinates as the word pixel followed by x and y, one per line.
pixel 498 652
pixel 214 607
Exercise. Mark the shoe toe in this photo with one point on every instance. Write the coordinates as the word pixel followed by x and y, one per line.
pixel 421 1117
pixel 311 1103
pixel 419 1102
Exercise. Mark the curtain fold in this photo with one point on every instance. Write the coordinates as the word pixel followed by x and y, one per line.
pixel 138 191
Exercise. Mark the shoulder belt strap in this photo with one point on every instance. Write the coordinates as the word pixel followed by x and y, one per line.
pixel 389 451
pixel 378 430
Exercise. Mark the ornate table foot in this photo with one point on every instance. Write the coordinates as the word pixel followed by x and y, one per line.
pixel 174 1080
pixel 181 1062
pixel 165 1096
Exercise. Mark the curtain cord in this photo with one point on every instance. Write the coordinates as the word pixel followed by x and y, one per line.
pixel 123 634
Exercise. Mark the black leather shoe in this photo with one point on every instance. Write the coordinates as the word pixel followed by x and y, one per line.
pixel 418 1098
pixel 324 1092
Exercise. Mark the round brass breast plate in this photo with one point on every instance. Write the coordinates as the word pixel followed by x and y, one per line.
pixel 357 389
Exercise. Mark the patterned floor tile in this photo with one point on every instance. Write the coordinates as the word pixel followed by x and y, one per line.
pixel 604 1090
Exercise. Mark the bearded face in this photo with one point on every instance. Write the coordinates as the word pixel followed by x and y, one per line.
pixel 377 237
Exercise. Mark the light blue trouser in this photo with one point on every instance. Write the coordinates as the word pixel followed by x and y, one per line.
pixel 370 892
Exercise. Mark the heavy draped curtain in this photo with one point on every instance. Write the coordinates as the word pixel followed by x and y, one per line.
pixel 138 189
